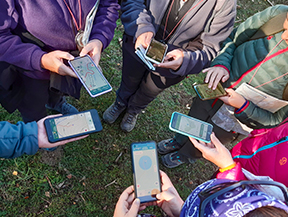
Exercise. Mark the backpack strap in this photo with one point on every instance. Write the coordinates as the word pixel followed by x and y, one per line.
pixel 271 27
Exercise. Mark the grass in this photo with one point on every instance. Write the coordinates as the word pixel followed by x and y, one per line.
pixel 93 172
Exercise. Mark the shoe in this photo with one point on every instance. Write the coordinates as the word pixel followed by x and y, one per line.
pixel 172 160
pixel 128 122
pixel 63 107
pixel 168 145
pixel 112 113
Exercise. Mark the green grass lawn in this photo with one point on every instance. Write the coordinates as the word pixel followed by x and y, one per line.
pixel 91 174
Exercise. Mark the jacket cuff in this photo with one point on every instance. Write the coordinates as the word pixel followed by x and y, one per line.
pixel 36 60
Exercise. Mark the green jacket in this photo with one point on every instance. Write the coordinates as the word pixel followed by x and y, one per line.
pixel 243 57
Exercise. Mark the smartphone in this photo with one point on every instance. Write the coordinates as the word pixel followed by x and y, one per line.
pixel 74 125
pixel 156 51
pixel 204 92
pixel 192 127
pixel 145 167
pixel 90 75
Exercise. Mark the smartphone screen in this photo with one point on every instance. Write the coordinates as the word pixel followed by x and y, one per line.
pixel 90 76
pixel 190 127
pixel 68 126
pixel 156 51
pixel 205 92
pixel 146 171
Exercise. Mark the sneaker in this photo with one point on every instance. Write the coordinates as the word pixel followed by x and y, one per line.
pixel 112 113
pixel 168 145
pixel 172 160
pixel 128 122
pixel 63 107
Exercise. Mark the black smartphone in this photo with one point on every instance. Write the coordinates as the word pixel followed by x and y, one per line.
pixel 90 75
pixel 189 126
pixel 156 51
pixel 146 174
pixel 74 125
pixel 205 93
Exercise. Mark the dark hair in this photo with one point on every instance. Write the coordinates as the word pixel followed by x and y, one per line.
pixel 267 211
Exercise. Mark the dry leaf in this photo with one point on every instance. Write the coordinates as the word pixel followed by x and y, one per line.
pixel 69 176
pixel 15 173
pixel 47 194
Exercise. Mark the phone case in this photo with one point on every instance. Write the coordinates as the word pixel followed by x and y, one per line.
pixel 207 93
pixel 96 121
pixel 153 60
pixel 84 84
pixel 146 198
pixel 189 135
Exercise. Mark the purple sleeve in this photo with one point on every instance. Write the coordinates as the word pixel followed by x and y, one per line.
pixel 13 51
pixel 105 21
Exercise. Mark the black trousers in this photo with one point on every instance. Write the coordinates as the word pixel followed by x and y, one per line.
pixel 139 86
pixel 204 111
pixel 30 97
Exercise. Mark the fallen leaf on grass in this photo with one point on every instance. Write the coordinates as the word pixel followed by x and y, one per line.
pixel 47 194
pixel 69 176
pixel 15 173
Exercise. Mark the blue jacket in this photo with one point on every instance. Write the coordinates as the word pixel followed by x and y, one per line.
pixel 18 139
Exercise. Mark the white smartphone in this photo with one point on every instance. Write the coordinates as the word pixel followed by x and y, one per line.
pixel 156 51
pixel 189 126
pixel 146 174
pixel 90 75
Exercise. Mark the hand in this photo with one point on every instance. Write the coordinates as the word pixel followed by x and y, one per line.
pixel 214 75
pixel 233 99
pixel 93 49
pixel 53 61
pixel 144 39
pixel 168 200
pixel 43 139
pixel 173 60
pixel 125 206
pixel 214 151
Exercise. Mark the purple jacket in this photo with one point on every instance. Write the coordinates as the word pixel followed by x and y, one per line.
pixel 52 23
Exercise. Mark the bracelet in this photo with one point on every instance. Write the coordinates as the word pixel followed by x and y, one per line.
pixel 228 168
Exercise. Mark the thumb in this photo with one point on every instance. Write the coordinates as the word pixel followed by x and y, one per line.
pixel 134 208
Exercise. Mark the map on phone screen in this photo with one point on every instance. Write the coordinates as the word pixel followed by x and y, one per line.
pixel 192 127
pixel 146 171
pixel 71 125
pixel 90 74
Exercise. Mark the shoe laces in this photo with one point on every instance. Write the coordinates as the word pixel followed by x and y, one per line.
pixel 175 156
pixel 130 118
pixel 115 108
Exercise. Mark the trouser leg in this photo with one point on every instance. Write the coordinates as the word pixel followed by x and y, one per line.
pixel 133 72
pixel 204 111
pixel 32 106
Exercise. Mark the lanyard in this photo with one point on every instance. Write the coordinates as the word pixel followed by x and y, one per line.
pixel 78 27
pixel 164 39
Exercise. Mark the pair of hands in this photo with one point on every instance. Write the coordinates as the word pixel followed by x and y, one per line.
pixel 216 74
pixel 43 139
pixel 173 59
pixel 53 61
pixel 168 200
